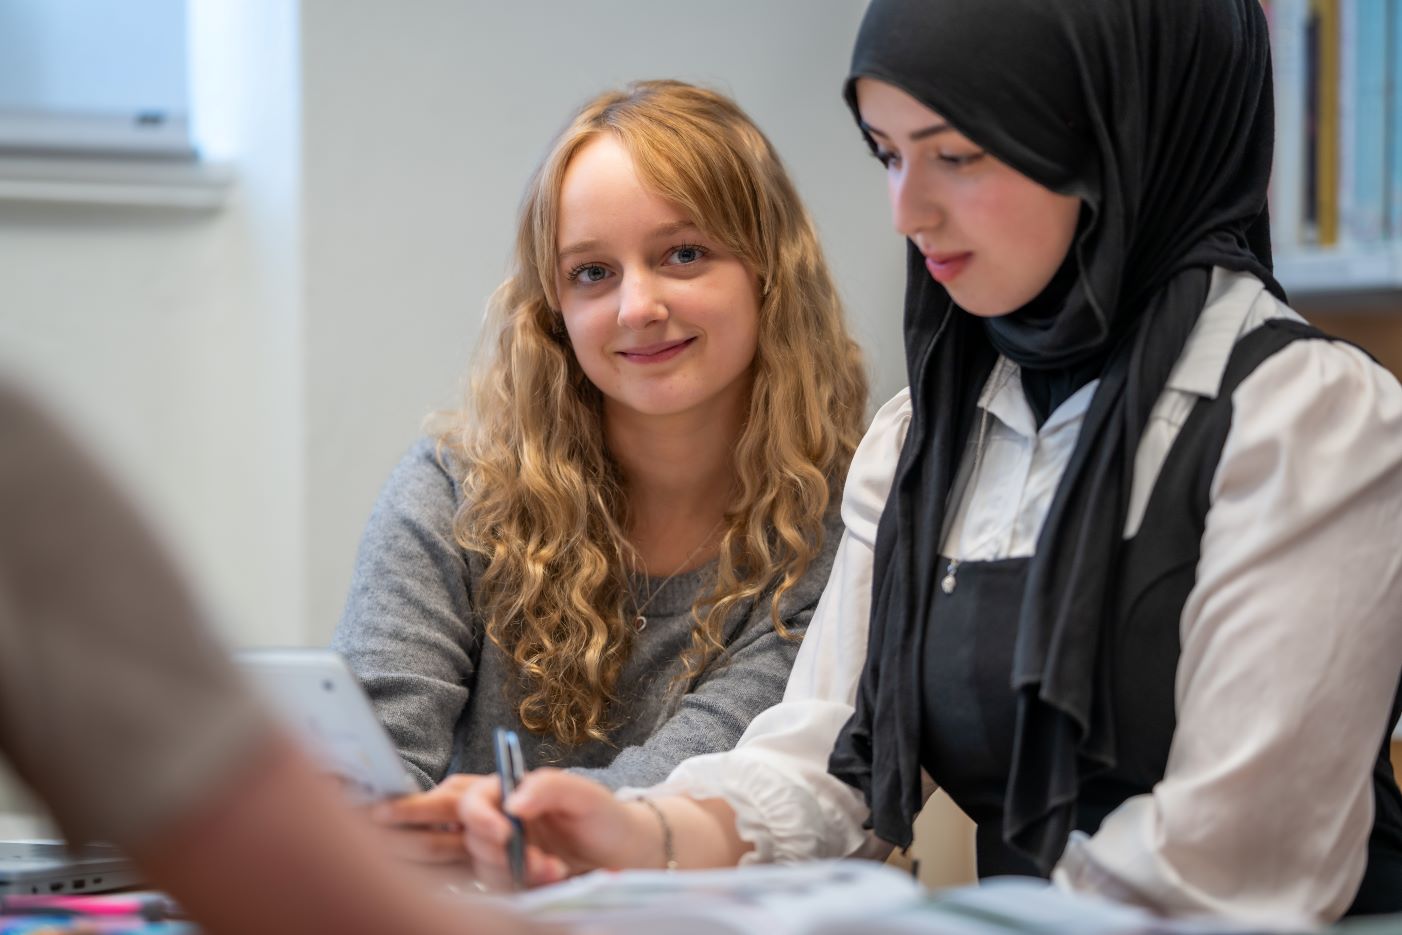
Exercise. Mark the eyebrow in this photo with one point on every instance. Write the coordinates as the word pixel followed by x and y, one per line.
pixel 924 133
pixel 589 246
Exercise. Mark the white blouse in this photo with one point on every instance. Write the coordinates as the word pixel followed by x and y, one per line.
pixel 1291 646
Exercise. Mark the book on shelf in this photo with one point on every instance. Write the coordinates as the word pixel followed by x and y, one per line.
pixel 1287 19
pixel 1392 132
pixel 1323 54
pixel 1346 94
pixel 1365 145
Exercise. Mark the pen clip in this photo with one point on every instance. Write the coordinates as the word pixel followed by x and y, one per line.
pixel 515 761
pixel 511 765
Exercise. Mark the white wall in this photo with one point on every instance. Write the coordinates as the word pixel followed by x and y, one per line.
pixel 168 338
pixel 170 341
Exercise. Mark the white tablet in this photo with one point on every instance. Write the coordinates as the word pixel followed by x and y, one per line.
pixel 322 703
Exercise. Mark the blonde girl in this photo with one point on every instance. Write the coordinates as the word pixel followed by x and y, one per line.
pixel 615 545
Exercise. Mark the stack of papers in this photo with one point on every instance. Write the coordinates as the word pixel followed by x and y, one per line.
pixel 850 897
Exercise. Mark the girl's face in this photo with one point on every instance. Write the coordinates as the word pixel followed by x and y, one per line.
pixel 661 317
pixel 992 237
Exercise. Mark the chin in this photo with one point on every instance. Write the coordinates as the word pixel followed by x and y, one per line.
pixel 985 306
pixel 985 309
pixel 656 407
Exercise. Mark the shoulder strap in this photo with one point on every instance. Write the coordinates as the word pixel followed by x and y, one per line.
pixel 1213 417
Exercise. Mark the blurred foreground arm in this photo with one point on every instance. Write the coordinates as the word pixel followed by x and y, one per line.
pixel 128 720
pixel 271 852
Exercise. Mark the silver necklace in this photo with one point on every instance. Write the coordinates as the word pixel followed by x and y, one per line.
pixel 640 621
pixel 950 580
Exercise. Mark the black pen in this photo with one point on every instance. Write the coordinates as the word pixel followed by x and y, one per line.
pixel 511 769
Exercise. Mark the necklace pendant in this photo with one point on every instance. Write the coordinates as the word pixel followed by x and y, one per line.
pixel 948 582
pixel 640 623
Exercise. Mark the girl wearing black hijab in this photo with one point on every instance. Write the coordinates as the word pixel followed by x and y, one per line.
pixel 1120 569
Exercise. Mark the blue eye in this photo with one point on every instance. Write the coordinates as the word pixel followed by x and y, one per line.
pixel 587 273
pixel 688 253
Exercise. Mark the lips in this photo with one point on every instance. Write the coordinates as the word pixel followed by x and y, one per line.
pixel 944 267
pixel 655 353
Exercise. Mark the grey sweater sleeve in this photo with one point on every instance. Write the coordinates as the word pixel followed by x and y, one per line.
pixel 748 678
pixel 411 636
pixel 408 629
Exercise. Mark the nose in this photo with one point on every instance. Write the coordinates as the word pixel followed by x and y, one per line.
pixel 640 301
pixel 915 205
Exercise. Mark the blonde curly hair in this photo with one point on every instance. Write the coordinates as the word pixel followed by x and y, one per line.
pixel 544 504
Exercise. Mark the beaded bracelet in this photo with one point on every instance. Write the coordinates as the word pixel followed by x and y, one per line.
pixel 669 852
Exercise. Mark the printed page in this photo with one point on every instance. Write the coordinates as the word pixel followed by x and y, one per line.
pixel 789 899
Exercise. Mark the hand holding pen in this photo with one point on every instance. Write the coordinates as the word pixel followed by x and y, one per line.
pixel 574 825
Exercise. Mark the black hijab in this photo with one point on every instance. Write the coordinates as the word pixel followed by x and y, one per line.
pixel 1158 115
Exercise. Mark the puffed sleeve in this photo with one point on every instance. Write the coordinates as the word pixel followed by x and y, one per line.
pixel 776 779
pixel 1291 652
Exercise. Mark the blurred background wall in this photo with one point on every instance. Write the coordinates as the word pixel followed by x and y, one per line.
pixel 253 372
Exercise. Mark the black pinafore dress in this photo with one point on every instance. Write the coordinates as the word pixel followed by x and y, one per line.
pixel 969 707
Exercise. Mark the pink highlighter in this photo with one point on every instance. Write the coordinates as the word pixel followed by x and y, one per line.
pixel 150 907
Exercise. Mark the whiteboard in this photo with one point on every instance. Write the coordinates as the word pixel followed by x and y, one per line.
pixel 106 76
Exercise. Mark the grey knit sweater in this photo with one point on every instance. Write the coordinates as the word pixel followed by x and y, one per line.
pixel 412 637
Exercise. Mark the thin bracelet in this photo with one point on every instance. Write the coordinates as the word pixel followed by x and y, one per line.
pixel 669 851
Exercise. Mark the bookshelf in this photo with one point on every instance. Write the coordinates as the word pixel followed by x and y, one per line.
pixel 1336 189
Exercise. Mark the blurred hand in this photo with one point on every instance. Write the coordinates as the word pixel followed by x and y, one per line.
pixel 572 824
pixel 425 827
